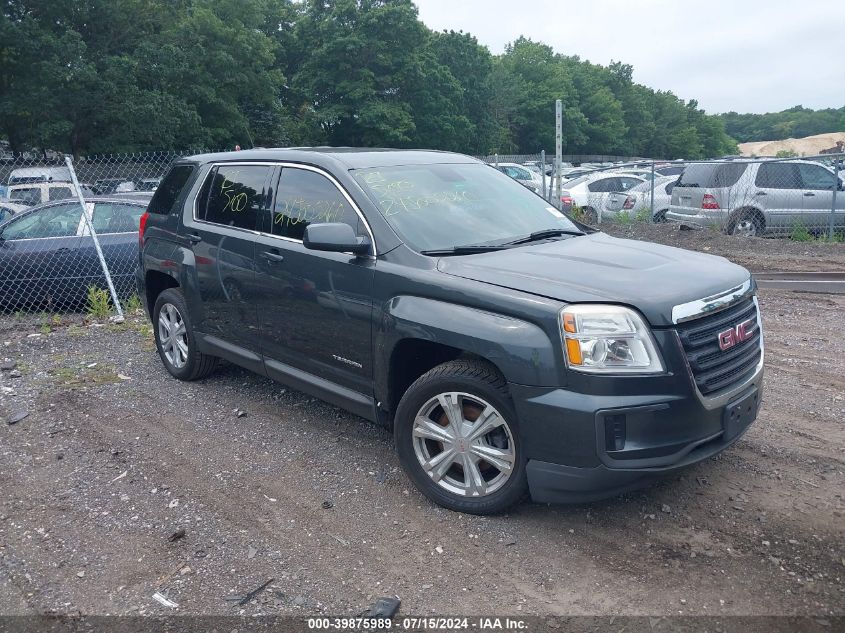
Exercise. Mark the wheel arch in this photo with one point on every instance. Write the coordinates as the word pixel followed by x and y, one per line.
pixel 421 333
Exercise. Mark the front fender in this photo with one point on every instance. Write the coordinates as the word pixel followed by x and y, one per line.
pixel 521 350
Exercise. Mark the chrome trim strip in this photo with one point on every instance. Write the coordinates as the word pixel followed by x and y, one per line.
pixel 289 165
pixel 723 398
pixel 709 305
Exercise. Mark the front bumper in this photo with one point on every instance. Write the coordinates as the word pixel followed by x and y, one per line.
pixel 586 447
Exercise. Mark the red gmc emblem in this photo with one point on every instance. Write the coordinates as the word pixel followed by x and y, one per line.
pixel 738 334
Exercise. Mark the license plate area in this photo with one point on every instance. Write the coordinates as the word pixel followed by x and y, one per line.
pixel 738 415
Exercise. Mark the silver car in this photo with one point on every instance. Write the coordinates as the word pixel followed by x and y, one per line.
pixel 663 186
pixel 757 198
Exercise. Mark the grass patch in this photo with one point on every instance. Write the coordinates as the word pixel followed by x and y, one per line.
pixel 132 305
pixel 80 377
pixel 98 304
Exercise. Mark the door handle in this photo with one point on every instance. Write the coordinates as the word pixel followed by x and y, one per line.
pixel 760 193
pixel 194 238
pixel 809 193
pixel 273 257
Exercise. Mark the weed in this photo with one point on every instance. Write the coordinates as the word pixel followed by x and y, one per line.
pixel 643 215
pixel 99 303
pixel 133 304
pixel 624 217
pixel 800 233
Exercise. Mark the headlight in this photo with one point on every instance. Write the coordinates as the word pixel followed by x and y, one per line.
pixel 607 339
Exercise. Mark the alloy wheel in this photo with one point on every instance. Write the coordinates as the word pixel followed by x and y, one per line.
pixel 172 335
pixel 464 444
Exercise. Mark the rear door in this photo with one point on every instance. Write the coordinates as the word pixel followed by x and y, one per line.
pixel 777 192
pixel 39 265
pixel 817 184
pixel 222 235
pixel 116 224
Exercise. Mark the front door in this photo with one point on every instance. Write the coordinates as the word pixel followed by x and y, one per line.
pixel 222 233
pixel 777 192
pixel 315 308
pixel 39 265
pixel 818 185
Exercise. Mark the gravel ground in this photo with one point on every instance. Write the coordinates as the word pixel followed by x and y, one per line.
pixel 755 253
pixel 115 457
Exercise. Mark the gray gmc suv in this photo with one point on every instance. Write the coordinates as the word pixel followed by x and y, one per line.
pixel 511 350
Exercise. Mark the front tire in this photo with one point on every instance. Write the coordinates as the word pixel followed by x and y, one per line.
pixel 458 438
pixel 175 340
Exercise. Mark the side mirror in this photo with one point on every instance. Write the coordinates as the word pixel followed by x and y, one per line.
pixel 335 237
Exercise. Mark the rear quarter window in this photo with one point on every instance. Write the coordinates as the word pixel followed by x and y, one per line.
pixel 168 191
pixel 711 175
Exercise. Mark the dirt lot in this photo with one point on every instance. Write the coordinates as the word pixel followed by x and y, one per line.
pixel 115 456
pixel 757 254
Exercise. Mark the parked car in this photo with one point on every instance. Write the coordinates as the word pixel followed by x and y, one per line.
pixel 9 208
pixel 510 349
pixel 148 184
pixel 599 193
pixel 36 193
pixel 663 186
pixel 757 198
pixel 106 186
pixel 522 175
pixel 48 258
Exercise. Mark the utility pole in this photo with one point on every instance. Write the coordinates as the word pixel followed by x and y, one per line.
pixel 558 148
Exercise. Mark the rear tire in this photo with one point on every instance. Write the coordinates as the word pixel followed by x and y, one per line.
pixel 746 223
pixel 175 340
pixel 457 438
pixel 660 216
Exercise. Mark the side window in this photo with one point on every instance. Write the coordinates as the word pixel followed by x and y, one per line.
pixel 627 183
pixel 168 191
pixel 602 185
pixel 306 197
pixel 815 177
pixel 237 195
pixel 116 218
pixel 59 221
pixel 28 195
pixel 778 176
pixel 60 193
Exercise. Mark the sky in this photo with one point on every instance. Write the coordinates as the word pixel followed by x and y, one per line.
pixel 740 55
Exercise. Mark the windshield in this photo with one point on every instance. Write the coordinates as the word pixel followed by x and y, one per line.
pixel 442 206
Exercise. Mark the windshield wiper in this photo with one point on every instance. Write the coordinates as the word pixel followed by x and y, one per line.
pixel 542 235
pixel 469 249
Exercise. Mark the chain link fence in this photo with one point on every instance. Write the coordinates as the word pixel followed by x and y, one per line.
pixel 69 228
pixel 801 198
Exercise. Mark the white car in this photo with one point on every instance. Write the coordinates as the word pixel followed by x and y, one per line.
pixel 600 194
pixel 663 186
pixel 522 175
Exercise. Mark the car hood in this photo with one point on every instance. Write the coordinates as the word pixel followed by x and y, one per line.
pixel 600 268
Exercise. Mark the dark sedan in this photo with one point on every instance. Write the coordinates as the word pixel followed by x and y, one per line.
pixel 48 258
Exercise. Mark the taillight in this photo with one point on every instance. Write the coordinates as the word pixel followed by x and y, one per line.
pixel 141 227
pixel 709 202
pixel 629 203
pixel 566 200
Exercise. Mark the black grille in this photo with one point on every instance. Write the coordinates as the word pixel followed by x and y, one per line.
pixel 713 368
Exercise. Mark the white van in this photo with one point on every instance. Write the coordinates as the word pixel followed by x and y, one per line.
pixel 26 175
